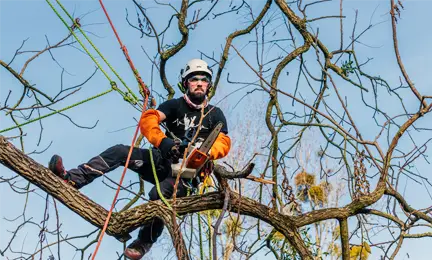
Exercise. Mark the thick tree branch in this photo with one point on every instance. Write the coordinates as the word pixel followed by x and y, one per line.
pixel 176 48
pixel 343 223
pixel 406 207
pixel 121 224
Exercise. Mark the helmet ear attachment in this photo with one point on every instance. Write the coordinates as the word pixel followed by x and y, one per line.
pixel 181 87
pixel 210 87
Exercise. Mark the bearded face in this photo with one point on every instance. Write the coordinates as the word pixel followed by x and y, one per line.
pixel 198 86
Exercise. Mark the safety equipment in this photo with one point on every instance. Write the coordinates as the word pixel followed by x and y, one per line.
pixel 193 66
pixel 170 149
pixel 196 79
pixel 56 166
pixel 196 65
pixel 137 249
pixel 197 156
pixel 149 125
pixel 220 147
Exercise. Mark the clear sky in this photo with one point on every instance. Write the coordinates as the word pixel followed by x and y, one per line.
pixel 20 20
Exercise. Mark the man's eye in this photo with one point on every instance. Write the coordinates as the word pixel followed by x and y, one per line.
pixel 196 79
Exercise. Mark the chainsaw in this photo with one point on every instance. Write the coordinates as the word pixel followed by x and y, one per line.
pixel 197 156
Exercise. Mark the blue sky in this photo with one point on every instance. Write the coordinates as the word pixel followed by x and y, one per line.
pixel 35 19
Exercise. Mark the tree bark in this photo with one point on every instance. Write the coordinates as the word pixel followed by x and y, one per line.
pixel 122 223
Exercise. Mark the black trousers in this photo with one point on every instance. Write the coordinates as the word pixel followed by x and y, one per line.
pixel 140 163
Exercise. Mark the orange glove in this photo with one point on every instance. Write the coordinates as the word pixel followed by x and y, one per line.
pixel 220 147
pixel 149 126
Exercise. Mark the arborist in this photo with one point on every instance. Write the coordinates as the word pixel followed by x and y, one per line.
pixel 181 116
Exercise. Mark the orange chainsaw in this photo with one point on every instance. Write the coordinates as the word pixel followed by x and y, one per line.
pixel 197 156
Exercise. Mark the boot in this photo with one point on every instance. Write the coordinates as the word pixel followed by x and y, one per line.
pixel 137 249
pixel 56 166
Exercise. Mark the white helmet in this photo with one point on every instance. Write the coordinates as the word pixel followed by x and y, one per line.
pixel 196 65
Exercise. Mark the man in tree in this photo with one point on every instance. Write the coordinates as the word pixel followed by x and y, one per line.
pixel 181 116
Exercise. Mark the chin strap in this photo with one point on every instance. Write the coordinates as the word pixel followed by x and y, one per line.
pixel 193 105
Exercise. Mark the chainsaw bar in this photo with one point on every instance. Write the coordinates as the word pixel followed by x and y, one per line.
pixel 208 142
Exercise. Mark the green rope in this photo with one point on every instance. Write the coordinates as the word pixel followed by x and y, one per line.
pixel 126 96
pixel 97 50
pixel 113 84
pixel 57 111
pixel 157 180
pixel 210 235
pixel 200 237
pixel 78 40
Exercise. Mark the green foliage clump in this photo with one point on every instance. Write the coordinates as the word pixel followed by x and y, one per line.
pixel 307 190
pixel 360 252
pixel 317 194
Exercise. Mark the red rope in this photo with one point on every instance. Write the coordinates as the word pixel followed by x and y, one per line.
pixel 146 92
pixel 115 197
pixel 126 53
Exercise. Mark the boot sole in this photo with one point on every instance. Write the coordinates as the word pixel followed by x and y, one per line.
pixel 133 257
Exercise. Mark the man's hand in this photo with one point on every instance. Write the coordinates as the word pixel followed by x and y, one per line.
pixel 170 149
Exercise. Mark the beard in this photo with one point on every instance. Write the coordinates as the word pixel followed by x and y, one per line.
pixel 197 98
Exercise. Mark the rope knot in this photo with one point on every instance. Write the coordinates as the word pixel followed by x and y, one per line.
pixel 114 85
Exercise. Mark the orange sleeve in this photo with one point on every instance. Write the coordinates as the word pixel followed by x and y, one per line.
pixel 220 147
pixel 149 126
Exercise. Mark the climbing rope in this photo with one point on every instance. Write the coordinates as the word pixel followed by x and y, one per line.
pixel 200 237
pixel 135 98
pixel 116 195
pixel 201 191
pixel 157 181
pixel 125 52
pixel 209 219
pixel 146 93
pixel 128 96
pixel 113 84
pixel 57 111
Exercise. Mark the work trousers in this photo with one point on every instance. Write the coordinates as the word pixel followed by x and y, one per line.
pixel 140 163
